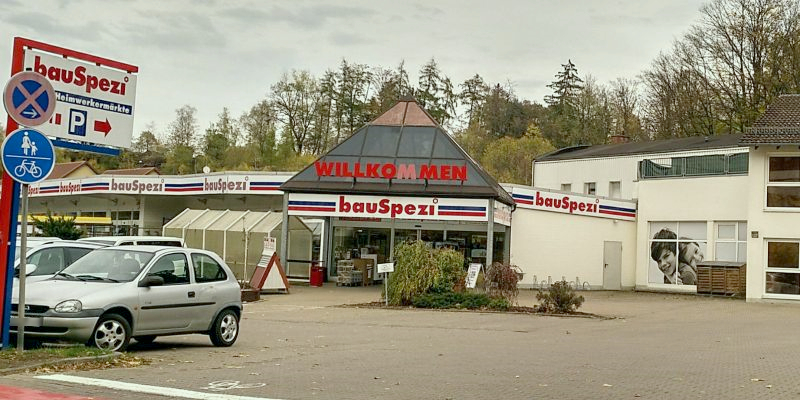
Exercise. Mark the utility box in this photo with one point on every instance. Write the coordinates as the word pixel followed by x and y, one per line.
pixel 723 278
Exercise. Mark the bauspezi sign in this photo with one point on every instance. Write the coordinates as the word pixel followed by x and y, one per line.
pixel 95 104
pixel 170 185
pixel 573 203
pixel 418 208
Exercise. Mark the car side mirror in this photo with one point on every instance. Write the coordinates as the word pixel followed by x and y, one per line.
pixel 29 268
pixel 151 280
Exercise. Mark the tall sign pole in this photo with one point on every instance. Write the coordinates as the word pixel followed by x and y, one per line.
pixel 9 202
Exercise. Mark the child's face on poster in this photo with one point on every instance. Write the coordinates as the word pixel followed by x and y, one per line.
pixel 666 262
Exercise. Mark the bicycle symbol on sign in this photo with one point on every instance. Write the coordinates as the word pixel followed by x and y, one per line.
pixel 28 166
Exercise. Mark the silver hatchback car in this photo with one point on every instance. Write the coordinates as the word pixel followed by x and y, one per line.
pixel 117 293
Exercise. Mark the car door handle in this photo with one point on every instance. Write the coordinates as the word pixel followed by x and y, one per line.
pixel 191 294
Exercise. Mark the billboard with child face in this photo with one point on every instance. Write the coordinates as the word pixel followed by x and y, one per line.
pixel 675 249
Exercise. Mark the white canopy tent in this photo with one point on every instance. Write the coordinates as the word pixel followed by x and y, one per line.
pixel 238 237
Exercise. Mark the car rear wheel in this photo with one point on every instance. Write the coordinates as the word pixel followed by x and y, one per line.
pixel 225 329
pixel 145 339
pixel 111 333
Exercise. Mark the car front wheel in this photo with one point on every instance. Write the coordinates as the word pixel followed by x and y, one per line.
pixel 225 329
pixel 111 333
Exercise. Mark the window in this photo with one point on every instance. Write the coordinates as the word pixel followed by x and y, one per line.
pixel 74 253
pixel 783 267
pixel 590 188
pixel 675 249
pixel 172 268
pixel 206 269
pixel 566 187
pixel 730 241
pixel 615 190
pixel 48 261
pixel 783 185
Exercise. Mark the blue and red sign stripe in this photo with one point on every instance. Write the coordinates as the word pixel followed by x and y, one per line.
pixel 184 187
pixel 462 211
pixel 265 185
pixel 85 187
pixel 522 199
pixel 49 189
pixel 618 211
pixel 322 206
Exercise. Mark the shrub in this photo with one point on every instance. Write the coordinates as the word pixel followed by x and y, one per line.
pixel 420 269
pixel 471 301
pixel 559 298
pixel 501 281
pixel 61 227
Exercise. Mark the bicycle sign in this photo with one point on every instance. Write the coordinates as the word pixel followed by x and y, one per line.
pixel 28 156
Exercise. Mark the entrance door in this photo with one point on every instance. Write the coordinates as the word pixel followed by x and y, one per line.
pixel 612 265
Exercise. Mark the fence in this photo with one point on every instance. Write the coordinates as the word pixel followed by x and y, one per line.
pixel 714 164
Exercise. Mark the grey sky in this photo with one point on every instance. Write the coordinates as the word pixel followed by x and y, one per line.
pixel 214 54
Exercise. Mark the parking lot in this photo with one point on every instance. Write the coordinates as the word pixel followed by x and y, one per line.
pixel 302 346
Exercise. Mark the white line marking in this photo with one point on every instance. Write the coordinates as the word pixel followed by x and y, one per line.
pixel 135 387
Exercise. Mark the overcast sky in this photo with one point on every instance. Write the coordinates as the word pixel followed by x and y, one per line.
pixel 213 54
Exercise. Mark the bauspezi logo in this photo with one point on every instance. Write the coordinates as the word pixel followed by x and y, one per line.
pixel 136 186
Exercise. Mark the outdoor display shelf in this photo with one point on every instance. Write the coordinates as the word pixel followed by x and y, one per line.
pixel 724 278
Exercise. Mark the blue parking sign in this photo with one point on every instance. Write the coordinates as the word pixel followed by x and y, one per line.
pixel 28 156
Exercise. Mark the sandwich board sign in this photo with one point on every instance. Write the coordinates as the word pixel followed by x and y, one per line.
pixel 94 102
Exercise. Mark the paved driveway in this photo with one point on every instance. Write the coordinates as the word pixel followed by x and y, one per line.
pixel 657 346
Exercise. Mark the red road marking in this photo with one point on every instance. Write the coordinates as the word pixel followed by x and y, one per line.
pixel 16 393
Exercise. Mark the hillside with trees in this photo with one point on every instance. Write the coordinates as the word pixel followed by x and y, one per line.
pixel 717 78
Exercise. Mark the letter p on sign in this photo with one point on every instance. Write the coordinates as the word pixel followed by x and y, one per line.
pixel 77 122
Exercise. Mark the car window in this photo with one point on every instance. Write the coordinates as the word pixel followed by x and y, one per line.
pixel 120 264
pixel 172 268
pixel 75 253
pixel 206 269
pixel 126 243
pixel 173 243
pixel 48 261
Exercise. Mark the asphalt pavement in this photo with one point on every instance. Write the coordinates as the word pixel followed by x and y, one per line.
pixel 304 346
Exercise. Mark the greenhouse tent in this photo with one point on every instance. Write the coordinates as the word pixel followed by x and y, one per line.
pixel 238 237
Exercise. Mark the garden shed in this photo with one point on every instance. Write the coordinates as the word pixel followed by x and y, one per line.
pixel 238 237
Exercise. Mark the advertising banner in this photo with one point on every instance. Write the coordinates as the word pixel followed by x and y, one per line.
pixel 573 203
pixel 419 208
pixel 175 185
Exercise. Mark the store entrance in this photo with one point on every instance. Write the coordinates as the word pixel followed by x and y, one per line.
pixel 361 248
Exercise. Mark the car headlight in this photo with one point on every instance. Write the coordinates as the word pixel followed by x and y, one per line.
pixel 69 306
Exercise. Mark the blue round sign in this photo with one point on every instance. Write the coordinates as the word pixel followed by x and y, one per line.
pixel 29 98
pixel 28 156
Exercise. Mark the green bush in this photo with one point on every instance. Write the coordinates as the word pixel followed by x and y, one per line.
pixel 420 269
pixel 471 301
pixel 62 227
pixel 559 298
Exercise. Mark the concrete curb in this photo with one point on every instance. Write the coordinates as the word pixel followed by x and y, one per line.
pixel 76 360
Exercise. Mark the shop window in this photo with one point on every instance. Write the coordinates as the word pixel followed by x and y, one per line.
pixel 675 249
pixel 615 190
pixel 730 241
pixel 590 188
pixel 783 267
pixel 783 186
pixel 566 187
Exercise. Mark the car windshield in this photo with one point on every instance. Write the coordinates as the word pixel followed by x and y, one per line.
pixel 120 265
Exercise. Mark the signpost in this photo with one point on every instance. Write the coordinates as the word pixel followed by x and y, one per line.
pixel 385 268
pixel 28 157
pixel 86 102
